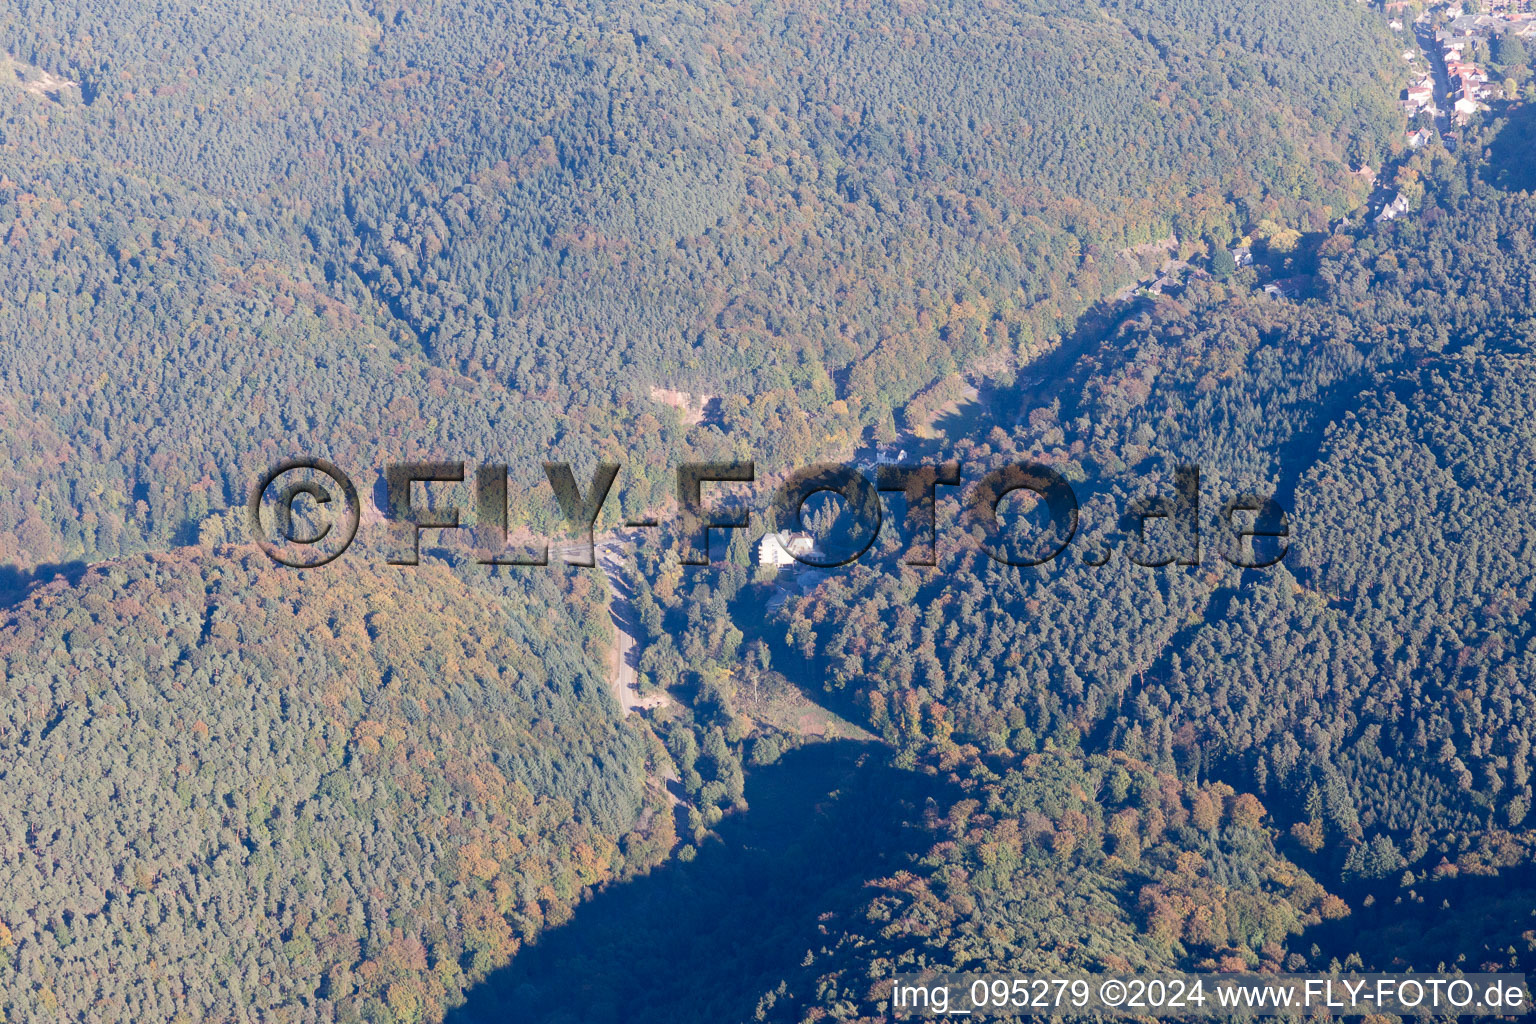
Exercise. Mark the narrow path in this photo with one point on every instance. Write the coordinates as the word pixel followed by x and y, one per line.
pixel 624 659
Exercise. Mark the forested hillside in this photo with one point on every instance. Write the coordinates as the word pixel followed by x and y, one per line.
pixel 234 794
pixel 373 230
pixel 1067 863
pixel 1378 413
pixel 654 232
pixel 1372 690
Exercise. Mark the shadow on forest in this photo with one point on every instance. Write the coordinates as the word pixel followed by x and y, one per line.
pixel 16 583
pixel 1056 375
pixel 1512 153
pixel 702 941
pixel 1479 916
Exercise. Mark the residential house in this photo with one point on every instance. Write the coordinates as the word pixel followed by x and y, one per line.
pixel 1393 210
pixel 1465 87
pixel 785 548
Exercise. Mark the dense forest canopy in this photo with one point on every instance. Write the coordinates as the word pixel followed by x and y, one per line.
pixel 1372 690
pixel 230 792
pixel 649 233
pixel 383 231
pixel 1386 412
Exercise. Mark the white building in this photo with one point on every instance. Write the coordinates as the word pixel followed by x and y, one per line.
pixel 1395 209
pixel 779 549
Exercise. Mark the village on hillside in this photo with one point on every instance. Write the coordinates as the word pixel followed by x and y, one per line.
pixel 1465 39
pixel 1477 53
